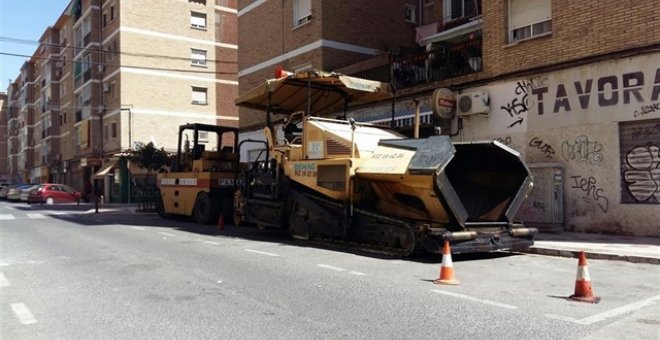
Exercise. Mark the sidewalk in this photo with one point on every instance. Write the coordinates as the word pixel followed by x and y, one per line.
pixel 115 208
pixel 565 244
pixel 598 246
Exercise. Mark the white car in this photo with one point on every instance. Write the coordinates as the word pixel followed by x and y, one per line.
pixel 25 192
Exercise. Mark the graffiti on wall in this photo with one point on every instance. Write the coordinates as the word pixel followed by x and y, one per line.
pixel 542 146
pixel 506 140
pixel 647 109
pixel 518 107
pixel 640 161
pixel 645 132
pixel 582 150
pixel 591 191
pixel 642 172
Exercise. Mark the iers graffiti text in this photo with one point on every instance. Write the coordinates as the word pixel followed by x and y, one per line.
pixel 605 91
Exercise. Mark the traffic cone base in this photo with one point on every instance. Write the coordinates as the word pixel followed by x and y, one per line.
pixel 583 291
pixel 589 299
pixel 447 268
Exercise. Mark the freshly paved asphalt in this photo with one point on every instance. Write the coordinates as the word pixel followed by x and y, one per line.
pixel 84 275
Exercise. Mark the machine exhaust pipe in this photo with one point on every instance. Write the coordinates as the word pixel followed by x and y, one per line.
pixel 522 232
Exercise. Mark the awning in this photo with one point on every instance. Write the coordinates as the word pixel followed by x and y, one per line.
pixel 453 32
pixel 328 93
pixel 105 170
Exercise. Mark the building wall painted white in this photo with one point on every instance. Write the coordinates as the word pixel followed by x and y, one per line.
pixel 601 122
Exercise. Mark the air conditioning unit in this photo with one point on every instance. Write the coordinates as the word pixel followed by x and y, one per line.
pixel 472 103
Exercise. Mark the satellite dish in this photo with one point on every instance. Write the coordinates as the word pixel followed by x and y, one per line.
pixel 443 103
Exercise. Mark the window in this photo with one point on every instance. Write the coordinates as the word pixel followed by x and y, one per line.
pixel 105 19
pixel 456 9
pixel 198 20
pixel 302 12
pixel 87 26
pixel 198 57
pixel 199 95
pixel 411 13
pixel 114 129
pixel 203 136
pixel 112 88
pixel 112 13
pixel 86 97
pixel 201 2
pixel 78 37
pixel 111 50
pixel 529 18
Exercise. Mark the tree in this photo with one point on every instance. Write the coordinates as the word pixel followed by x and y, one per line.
pixel 148 157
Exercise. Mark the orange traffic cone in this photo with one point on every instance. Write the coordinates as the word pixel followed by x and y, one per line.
pixel 583 291
pixel 447 268
pixel 221 222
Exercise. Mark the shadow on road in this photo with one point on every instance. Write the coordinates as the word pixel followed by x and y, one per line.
pixel 84 215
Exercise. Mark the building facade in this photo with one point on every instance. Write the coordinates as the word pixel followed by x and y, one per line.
pixel 4 174
pixel 109 75
pixel 574 87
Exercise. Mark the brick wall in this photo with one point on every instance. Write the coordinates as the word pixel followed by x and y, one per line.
pixel 579 29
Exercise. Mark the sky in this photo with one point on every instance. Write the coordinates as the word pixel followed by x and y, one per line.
pixel 25 20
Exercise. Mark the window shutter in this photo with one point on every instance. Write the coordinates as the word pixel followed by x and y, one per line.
pixel 198 57
pixel 301 9
pixel 527 12
pixel 199 95
pixel 197 19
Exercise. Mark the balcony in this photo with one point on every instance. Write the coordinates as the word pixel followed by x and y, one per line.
pixel 440 61
pixel 87 39
pixel 87 75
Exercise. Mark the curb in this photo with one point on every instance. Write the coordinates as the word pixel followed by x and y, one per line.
pixel 591 255
pixel 110 211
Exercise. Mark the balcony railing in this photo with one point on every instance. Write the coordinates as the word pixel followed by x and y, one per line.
pixel 444 60
pixel 87 39
pixel 87 75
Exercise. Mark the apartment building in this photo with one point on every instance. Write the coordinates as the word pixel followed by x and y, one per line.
pixel 111 74
pixel 573 87
pixel 4 174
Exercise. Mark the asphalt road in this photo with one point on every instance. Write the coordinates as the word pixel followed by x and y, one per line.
pixel 66 274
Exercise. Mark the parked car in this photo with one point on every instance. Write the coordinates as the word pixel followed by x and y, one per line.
pixel 3 192
pixel 25 192
pixel 14 193
pixel 51 193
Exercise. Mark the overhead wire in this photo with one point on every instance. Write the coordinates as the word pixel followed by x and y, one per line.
pixel 120 65
pixel 101 50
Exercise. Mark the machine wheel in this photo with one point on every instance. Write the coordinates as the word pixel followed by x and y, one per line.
pixel 50 200
pixel 407 242
pixel 203 209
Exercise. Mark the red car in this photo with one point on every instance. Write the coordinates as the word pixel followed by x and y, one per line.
pixel 50 193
